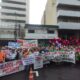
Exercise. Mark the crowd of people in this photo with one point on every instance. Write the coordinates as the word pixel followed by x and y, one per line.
pixel 9 54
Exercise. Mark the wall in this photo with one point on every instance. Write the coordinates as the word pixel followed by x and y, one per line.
pixel 50 13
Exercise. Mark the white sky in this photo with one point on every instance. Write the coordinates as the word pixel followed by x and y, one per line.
pixel 0 6
pixel 36 11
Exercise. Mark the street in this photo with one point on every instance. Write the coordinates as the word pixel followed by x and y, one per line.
pixel 60 72
pixel 53 71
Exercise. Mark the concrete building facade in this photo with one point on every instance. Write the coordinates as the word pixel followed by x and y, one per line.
pixel 42 33
pixel 65 14
pixel 14 14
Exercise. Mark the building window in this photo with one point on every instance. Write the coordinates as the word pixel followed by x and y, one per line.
pixel 31 31
pixel 69 19
pixel 14 8
pixel 68 7
pixel 13 14
pixel 50 31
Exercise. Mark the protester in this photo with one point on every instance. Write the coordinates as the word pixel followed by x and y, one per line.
pixel 36 51
pixel 42 51
pixel 11 54
pixel 19 53
pixel 55 45
pixel 25 53
pixel 2 56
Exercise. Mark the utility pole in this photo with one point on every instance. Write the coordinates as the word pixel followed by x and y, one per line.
pixel 16 27
pixel 17 31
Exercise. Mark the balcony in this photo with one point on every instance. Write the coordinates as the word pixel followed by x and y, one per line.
pixel 69 25
pixel 6 36
pixel 68 13
pixel 69 2
pixel 13 5
pixel 12 17
pixel 7 26
pixel 19 0
pixel 6 33
pixel 12 11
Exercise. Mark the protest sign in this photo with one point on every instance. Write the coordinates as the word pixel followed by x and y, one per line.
pixel 59 56
pixel 13 45
pixel 20 40
pixel 68 57
pixel 33 59
pixel 38 62
pixel 28 60
pixel 30 43
pixel 11 67
pixel 52 55
pixel 45 58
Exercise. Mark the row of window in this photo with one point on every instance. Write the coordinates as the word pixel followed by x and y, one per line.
pixel 14 8
pixel 69 19
pixel 13 21
pixel 14 14
pixel 68 7
pixel 48 31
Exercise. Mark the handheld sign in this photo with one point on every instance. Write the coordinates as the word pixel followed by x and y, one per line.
pixel 13 45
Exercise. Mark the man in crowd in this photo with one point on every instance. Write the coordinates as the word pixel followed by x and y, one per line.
pixel 2 56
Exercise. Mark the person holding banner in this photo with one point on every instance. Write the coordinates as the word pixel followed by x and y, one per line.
pixel 36 51
pixel 25 53
pixel 11 55
pixel 2 56
pixel 19 53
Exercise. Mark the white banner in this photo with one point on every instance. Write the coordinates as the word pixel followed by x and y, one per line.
pixel 30 43
pixel 59 56
pixel 11 67
pixel 68 57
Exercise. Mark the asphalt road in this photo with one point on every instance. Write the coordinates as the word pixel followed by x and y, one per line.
pixel 53 71
pixel 60 72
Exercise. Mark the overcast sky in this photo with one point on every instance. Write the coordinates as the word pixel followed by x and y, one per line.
pixel 36 11
pixel 0 6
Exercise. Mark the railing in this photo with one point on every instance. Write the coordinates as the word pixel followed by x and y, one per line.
pixel 69 25
pixel 69 2
pixel 68 13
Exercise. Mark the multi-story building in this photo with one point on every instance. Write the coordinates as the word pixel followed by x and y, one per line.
pixel 13 16
pixel 65 14
pixel 42 33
